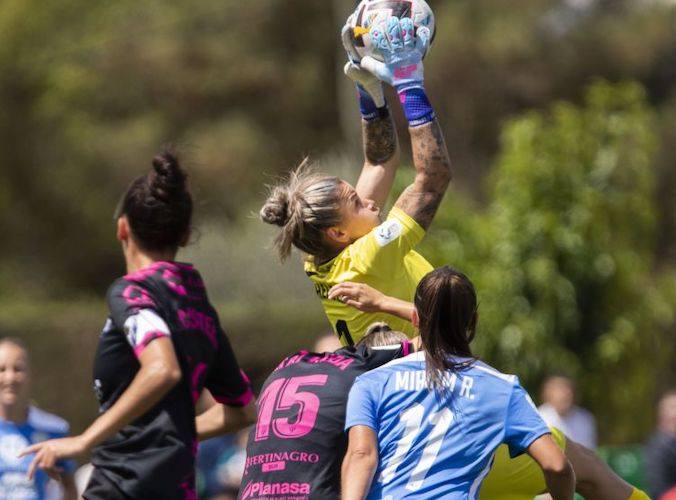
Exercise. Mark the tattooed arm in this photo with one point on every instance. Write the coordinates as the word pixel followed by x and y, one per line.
pixel 381 159
pixel 422 198
pixel 401 48
pixel 381 150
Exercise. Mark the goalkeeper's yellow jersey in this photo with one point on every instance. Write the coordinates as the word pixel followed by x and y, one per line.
pixel 383 259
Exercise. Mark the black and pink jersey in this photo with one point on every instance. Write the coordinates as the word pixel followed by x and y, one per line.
pixel 154 456
pixel 297 447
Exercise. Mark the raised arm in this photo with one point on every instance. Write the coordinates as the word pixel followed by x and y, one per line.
pixel 381 151
pixel 381 159
pixel 422 198
pixel 403 50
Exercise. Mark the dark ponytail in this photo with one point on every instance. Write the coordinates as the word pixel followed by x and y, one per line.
pixel 159 205
pixel 447 307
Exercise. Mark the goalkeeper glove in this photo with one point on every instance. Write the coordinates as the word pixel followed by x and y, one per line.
pixel 402 51
pixel 369 88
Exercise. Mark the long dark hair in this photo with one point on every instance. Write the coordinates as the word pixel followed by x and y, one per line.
pixel 447 307
pixel 159 205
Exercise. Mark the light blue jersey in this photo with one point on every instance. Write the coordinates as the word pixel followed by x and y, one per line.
pixel 431 446
pixel 39 426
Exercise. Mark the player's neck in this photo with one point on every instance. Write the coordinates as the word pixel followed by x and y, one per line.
pixel 14 413
pixel 330 254
pixel 137 258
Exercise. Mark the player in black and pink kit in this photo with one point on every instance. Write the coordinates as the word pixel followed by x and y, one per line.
pixel 297 446
pixel 160 347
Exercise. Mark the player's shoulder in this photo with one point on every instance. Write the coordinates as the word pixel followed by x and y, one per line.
pixel 123 286
pixel 117 287
pixel 485 370
pixel 408 222
pixel 413 361
pixel 125 292
pixel 43 421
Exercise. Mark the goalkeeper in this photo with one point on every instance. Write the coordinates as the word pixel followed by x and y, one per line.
pixel 339 226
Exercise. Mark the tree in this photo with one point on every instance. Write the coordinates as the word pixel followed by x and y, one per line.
pixel 564 255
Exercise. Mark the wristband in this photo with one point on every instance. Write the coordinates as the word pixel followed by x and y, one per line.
pixel 367 107
pixel 417 107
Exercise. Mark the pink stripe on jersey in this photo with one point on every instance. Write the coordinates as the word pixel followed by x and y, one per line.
pixel 406 346
pixel 149 337
pixel 141 274
pixel 138 297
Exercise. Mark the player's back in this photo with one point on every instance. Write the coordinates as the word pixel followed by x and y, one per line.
pixel 298 443
pixel 433 443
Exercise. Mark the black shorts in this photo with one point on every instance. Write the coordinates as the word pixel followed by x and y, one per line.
pixel 100 487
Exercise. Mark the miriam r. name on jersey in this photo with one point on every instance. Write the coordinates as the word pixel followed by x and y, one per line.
pixel 416 380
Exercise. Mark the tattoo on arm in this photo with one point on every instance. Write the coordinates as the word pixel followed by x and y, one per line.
pixel 421 199
pixel 380 140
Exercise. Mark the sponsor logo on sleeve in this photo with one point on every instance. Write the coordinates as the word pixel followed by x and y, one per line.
pixel 387 232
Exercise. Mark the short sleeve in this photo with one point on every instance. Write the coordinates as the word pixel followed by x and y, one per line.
pixel 362 405
pixel 523 424
pixel 226 382
pixel 133 310
pixel 384 248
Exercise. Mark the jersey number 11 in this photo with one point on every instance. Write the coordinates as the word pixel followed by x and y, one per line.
pixel 412 419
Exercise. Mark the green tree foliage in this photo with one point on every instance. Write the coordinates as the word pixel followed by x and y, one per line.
pixel 564 255
pixel 90 91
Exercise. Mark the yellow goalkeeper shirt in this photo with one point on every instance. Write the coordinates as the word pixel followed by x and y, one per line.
pixel 383 259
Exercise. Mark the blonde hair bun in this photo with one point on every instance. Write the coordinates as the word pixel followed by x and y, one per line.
pixel 276 208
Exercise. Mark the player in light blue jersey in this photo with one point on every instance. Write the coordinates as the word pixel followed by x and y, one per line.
pixel 428 425
pixel 22 425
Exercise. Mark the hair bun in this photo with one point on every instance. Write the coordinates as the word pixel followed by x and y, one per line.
pixel 276 208
pixel 168 179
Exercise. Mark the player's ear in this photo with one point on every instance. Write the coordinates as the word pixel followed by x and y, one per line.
pixel 337 234
pixel 415 319
pixel 123 229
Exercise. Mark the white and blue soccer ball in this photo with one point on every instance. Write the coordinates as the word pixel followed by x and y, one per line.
pixel 371 12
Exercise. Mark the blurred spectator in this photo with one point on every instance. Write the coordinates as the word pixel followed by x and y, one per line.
pixel 559 410
pixel 220 465
pixel 21 425
pixel 660 453
pixel 327 343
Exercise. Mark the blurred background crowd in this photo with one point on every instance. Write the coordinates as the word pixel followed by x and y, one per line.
pixel 560 116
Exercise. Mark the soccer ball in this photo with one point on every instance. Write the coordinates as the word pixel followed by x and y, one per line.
pixel 372 12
